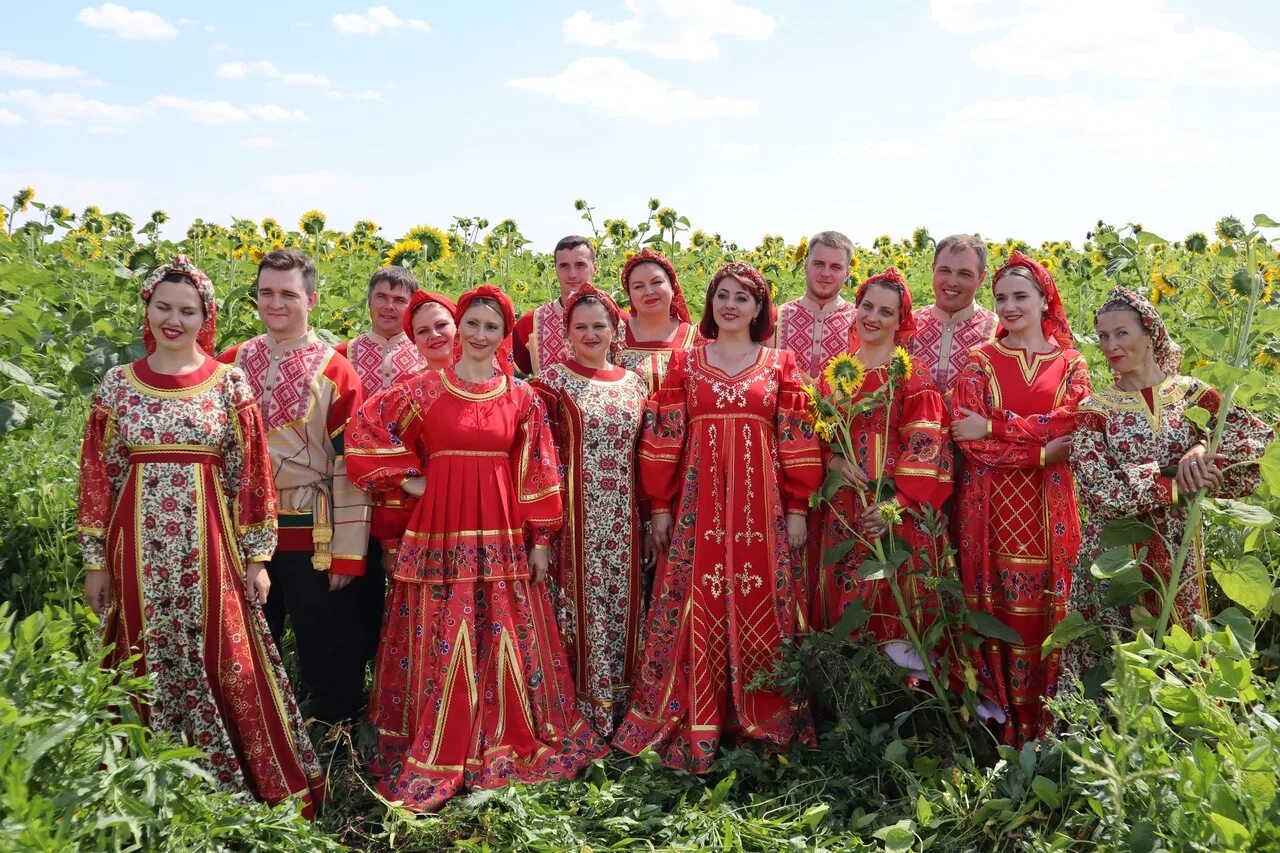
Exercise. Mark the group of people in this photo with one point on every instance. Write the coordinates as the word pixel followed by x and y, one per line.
pixel 610 550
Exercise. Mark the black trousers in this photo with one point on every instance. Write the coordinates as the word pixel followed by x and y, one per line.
pixel 326 630
pixel 371 595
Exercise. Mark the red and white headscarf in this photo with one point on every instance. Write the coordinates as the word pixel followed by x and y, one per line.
pixel 679 307
pixel 1054 322
pixel 906 320
pixel 181 265
pixel 504 355
pixel 424 297
pixel 610 307
pixel 1168 354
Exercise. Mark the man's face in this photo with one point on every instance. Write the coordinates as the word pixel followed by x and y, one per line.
pixel 387 304
pixel 825 271
pixel 574 268
pixel 956 277
pixel 283 302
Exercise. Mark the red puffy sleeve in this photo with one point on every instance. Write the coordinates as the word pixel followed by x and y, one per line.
pixel 246 472
pixel 662 434
pixel 103 464
pixel 1061 420
pixel 539 506
pixel 384 441
pixel 923 470
pixel 799 454
pixel 520 343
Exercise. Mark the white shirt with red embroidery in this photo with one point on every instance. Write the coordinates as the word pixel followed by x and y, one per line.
pixel 380 362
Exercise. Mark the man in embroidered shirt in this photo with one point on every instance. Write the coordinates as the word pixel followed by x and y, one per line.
pixel 539 336
pixel 381 357
pixel 954 324
pixel 816 326
pixel 307 392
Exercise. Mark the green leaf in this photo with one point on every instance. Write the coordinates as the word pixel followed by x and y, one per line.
pixel 13 415
pixel 988 625
pixel 837 552
pixel 1071 628
pixel 896 752
pixel 1246 582
pixel 854 617
pixel 1198 416
pixel 1146 238
pixel 1126 531
pixel 1047 790
pixel 1142 837
pixel 1232 835
pixel 17 374
pixel 875 570
pixel 1246 514
pixel 1113 562
pixel 1240 625
pixel 1261 220
pixel 1220 374
pixel 1269 465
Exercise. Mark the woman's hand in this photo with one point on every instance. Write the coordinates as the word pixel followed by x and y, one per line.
pixel 1057 450
pixel 415 486
pixel 97 590
pixel 971 427
pixel 539 562
pixel 662 524
pixel 852 471
pixel 257 583
pixel 797 529
pixel 872 522
pixel 1198 470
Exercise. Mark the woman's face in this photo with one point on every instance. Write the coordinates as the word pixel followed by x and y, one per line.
pixel 482 331
pixel 1124 342
pixel 878 317
pixel 433 334
pixel 175 315
pixel 590 332
pixel 734 306
pixel 1019 304
pixel 650 290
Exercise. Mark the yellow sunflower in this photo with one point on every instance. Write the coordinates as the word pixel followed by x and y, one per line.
pixel 845 374
pixel 312 222
pixel 432 242
pixel 405 253
pixel 900 365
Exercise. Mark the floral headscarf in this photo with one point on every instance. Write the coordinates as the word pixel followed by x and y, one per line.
pixel 610 307
pixel 906 319
pixel 505 361
pixel 181 265
pixel 424 297
pixel 750 278
pixel 1054 322
pixel 1167 353
pixel 679 308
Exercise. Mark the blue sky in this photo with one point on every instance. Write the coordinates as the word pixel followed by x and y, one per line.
pixel 1029 119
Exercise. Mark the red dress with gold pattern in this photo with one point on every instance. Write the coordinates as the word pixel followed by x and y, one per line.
pixel 1018 520
pixel 907 442
pixel 650 358
pixel 472 688
pixel 176 497
pixel 727 455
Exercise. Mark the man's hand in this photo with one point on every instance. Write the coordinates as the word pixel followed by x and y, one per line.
pixel 337 582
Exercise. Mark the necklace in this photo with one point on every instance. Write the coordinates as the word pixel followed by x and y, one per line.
pixel 742 362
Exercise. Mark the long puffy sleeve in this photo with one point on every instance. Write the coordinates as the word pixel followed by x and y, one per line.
pixel 799 453
pixel 922 473
pixel 1039 430
pixel 1110 485
pixel 246 473
pixel 1245 438
pixel 103 463
pixel 536 465
pixel 384 442
pixel 662 435
pixel 351 509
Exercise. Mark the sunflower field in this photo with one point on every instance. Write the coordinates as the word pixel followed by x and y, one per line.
pixel 1182 753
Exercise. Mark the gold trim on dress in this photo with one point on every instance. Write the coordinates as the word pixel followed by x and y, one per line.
pixel 131 376
pixel 470 395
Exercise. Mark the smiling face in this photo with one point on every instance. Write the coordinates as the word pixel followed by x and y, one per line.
pixel 175 315
pixel 733 306
pixel 650 290
pixel 590 333
pixel 1124 342
pixel 574 268
pixel 387 304
pixel 878 314
pixel 433 334
pixel 283 302
pixel 481 330
pixel 825 271
pixel 956 276
pixel 1019 304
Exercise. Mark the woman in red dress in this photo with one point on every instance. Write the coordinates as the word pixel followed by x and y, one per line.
pixel 429 323
pixel 660 323
pixel 177 520
pixel 471 687
pixel 1014 409
pixel 905 441
pixel 729 459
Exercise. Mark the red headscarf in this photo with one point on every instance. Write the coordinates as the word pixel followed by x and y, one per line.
pixel 610 307
pixel 182 266
pixel 679 308
pixel 1054 323
pixel 750 278
pixel 906 320
pixel 503 357
pixel 424 297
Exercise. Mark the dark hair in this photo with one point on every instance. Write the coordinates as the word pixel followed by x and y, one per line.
pixel 761 325
pixel 396 277
pixel 583 301
pixel 887 285
pixel 284 260
pixel 488 302
pixel 1021 272
pixel 960 242
pixel 177 277
pixel 573 241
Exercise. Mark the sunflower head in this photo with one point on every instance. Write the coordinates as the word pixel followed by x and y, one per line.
pixel 405 253
pixel 312 222
pixel 845 374
pixel 900 365
pixel 23 198
pixel 434 243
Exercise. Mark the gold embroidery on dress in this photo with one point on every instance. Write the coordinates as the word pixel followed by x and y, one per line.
pixel 750 533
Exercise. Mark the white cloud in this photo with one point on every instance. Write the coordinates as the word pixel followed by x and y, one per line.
pixel 366 95
pixel 1134 39
pixel 614 87
pixel 105 130
pixel 126 24
pixel 888 149
pixel 35 69
pixel 10 117
pixel 671 29
pixel 260 142
pixel 735 148
pixel 210 28
pixel 198 111
pixel 241 70
pixel 1125 130
pixel 66 108
pixel 276 114
pixel 373 22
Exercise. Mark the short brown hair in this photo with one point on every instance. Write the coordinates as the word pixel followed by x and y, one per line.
pixel 573 241
pixel 832 240
pixel 395 276
pixel 960 242
pixel 284 260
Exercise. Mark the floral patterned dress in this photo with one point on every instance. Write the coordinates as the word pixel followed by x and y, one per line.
pixel 728 456
pixel 596 419
pixel 176 496
pixel 1125 453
